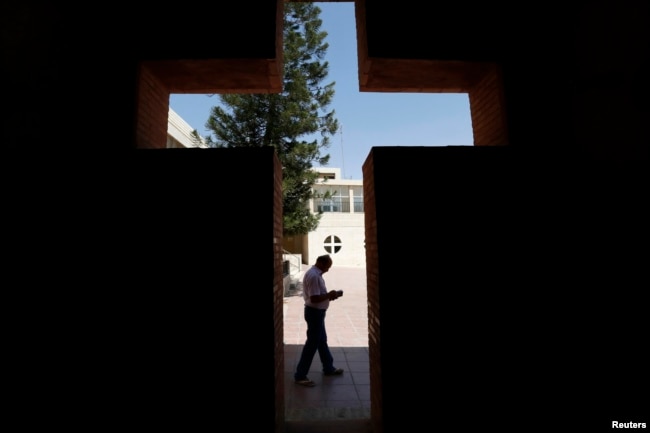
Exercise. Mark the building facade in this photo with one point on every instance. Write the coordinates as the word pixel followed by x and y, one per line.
pixel 341 229
pixel 179 133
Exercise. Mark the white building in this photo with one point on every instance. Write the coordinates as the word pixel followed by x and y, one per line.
pixel 179 133
pixel 341 232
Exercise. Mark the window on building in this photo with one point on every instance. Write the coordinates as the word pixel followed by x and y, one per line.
pixel 329 199
pixel 358 204
pixel 357 192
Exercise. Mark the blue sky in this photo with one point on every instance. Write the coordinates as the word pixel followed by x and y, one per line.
pixel 366 119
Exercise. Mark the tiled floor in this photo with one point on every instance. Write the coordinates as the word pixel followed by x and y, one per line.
pixel 345 397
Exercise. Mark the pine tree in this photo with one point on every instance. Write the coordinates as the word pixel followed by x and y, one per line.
pixel 296 122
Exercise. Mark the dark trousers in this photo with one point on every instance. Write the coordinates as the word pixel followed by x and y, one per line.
pixel 316 341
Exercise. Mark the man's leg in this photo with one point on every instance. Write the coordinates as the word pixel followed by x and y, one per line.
pixel 315 320
pixel 324 353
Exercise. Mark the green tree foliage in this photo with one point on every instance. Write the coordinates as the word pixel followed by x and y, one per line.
pixel 296 122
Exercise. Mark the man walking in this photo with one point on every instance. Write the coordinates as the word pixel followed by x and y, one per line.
pixel 317 301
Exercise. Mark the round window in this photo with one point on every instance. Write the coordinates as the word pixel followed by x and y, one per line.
pixel 332 244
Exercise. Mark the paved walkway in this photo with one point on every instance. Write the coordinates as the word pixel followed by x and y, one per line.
pixel 345 397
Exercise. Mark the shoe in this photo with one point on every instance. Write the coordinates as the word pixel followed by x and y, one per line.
pixel 306 382
pixel 335 372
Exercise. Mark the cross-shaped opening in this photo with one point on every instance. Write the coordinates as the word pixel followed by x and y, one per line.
pixel 478 82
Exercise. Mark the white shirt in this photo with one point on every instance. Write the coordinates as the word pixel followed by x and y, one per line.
pixel 314 284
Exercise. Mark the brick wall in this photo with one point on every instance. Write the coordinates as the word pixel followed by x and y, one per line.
pixel 488 110
pixel 372 270
pixel 152 111
pixel 278 297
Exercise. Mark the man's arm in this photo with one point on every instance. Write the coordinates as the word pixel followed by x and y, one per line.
pixel 331 295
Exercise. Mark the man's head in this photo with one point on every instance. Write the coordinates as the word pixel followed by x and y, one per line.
pixel 324 263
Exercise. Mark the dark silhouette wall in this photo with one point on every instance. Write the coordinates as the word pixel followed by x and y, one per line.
pixel 147 291
pixel 508 296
